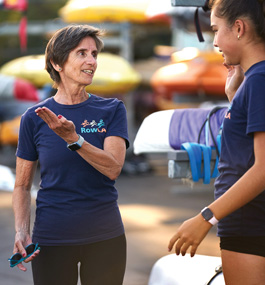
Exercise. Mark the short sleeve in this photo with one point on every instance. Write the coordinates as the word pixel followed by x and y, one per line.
pixel 26 148
pixel 256 104
pixel 118 125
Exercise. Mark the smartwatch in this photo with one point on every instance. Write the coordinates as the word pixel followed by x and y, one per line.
pixel 209 216
pixel 76 145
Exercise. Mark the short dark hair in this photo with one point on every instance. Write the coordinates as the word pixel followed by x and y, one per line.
pixel 63 42
pixel 252 10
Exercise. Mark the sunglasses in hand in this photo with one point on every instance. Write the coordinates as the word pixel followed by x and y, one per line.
pixel 17 258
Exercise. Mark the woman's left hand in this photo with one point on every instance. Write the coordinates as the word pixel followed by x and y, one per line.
pixel 189 235
pixel 235 77
pixel 59 124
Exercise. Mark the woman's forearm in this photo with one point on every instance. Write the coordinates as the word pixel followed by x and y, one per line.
pixel 21 200
pixel 243 191
pixel 249 186
pixel 193 231
pixel 21 208
pixel 108 161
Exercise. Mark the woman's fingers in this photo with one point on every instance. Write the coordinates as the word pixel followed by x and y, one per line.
pixel 47 115
pixel 182 245
pixel 193 250
pixel 189 235
pixel 172 241
pixel 229 67
pixel 178 246
pixel 59 124
pixel 21 267
pixel 184 248
pixel 18 247
pixel 35 254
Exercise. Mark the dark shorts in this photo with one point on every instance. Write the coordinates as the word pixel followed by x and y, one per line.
pixel 249 245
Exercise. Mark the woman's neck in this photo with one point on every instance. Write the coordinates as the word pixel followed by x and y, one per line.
pixel 67 97
pixel 253 55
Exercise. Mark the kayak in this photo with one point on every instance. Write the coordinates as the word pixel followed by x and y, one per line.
pixel 114 74
pixel 17 89
pixel 105 11
pixel 31 68
pixel 176 126
pixel 191 72
pixel 9 131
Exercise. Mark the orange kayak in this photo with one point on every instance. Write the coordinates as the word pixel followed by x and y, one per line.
pixel 197 73
pixel 9 131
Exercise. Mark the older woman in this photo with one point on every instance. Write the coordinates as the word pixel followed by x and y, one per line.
pixel 80 142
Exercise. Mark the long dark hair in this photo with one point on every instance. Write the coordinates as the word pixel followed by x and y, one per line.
pixel 231 10
pixel 63 42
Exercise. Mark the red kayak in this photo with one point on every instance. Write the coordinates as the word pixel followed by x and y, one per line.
pixel 16 88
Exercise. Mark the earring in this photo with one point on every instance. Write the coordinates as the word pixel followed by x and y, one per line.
pixel 238 37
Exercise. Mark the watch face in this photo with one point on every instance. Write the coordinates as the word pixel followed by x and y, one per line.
pixel 207 214
pixel 74 146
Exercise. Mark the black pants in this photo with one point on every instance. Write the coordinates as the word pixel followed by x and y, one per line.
pixel 101 263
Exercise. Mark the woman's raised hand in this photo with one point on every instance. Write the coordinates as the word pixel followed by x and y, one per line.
pixel 235 77
pixel 59 124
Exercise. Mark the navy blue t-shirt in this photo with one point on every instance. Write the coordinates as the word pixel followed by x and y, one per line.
pixel 76 204
pixel 245 117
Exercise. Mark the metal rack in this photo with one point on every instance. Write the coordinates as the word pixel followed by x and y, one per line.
pixel 179 165
pixel 119 34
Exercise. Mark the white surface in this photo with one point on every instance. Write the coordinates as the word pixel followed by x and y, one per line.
pixel 153 134
pixel 7 178
pixel 7 84
pixel 184 270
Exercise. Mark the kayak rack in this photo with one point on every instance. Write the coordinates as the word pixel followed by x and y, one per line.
pixel 121 36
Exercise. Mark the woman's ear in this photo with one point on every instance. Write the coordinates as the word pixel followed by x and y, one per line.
pixel 56 66
pixel 240 27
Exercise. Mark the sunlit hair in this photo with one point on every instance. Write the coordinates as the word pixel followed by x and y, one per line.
pixel 231 10
pixel 63 42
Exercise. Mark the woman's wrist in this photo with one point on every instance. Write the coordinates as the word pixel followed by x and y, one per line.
pixel 74 138
pixel 23 230
pixel 208 216
pixel 230 96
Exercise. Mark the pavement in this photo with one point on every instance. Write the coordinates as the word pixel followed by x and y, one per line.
pixel 152 206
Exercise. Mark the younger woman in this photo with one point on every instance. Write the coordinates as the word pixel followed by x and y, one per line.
pixel 239 208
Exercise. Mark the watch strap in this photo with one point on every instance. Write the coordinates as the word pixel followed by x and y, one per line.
pixel 213 221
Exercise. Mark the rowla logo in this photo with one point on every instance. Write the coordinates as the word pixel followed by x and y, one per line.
pixel 93 127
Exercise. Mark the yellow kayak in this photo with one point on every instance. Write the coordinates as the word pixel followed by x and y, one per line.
pixel 114 74
pixel 105 10
pixel 31 68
